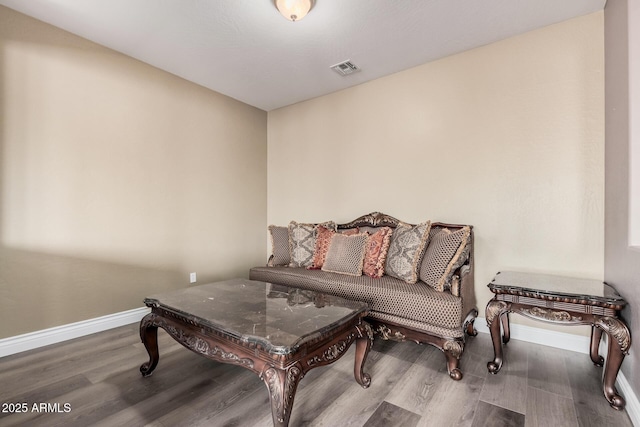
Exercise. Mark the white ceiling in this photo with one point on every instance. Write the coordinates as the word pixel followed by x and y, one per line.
pixel 245 49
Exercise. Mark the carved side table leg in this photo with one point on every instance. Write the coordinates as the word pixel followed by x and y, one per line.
pixel 506 332
pixel 494 311
pixel 149 337
pixel 619 343
pixel 363 345
pixel 282 387
pixel 596 335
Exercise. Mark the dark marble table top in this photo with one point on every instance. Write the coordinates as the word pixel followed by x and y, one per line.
pixel 546 286
pixel 279 318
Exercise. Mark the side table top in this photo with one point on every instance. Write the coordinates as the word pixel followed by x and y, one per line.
pixel 557 288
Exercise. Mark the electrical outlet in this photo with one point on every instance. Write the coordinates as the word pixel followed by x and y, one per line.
pixel 192 277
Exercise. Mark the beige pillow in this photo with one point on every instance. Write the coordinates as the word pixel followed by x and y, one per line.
pixel 444 254
pixel 279 246
pixel 346 254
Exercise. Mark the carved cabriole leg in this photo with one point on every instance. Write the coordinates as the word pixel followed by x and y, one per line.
pixel 451 347
pixel 282 385
pixel 619 343
pixel 468 323
pixel 506 332
pixel 149 337
pixel 494 311
pixel 596 335
pixel 452 351
pixel 363 345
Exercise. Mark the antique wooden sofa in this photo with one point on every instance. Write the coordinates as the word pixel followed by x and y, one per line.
pixel 399 310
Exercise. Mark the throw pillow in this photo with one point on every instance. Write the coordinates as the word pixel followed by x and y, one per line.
pixel 346 254
pixel 376 252
pixel 350 231
pixel 279 246
pixel 406 250
pixel 302 242
pixel 444 254
pixel 323 240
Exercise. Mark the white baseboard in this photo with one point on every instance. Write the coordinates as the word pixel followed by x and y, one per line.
pixel 633 405
pixel 578 343
pixel 530 334
pixel 20 343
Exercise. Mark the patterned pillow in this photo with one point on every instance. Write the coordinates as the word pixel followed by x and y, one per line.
pixel 445 253
pixel 376 252
pixel 323 240
pixel 279 246
pixel 406 250
pixel 302 242
pixel 346 254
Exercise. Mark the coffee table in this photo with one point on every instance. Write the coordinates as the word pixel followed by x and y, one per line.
pixel 563 301
pixel 278 332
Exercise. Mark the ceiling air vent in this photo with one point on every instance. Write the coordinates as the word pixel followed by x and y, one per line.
pixel 345 68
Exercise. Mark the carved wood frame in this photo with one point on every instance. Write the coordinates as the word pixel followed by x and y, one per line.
pixel 281 373
pixel 463 276
pixel 497 315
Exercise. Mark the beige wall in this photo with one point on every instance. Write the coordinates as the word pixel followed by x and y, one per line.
pixel 508 137
pixel 116 180
pixel 622 262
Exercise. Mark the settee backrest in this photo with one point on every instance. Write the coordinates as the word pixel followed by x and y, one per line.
pixel 464 273
pixel 377 219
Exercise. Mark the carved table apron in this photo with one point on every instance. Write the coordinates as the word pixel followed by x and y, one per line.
pixel 280 372
pixel 562 309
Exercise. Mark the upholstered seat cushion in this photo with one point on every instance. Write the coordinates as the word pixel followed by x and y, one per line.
pixel 386 296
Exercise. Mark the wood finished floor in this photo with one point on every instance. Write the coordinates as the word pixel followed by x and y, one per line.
pixel 98 377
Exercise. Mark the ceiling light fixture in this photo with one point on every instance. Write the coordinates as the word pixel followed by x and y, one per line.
pixel 294 10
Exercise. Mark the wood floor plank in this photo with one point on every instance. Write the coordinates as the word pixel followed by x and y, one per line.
pixel 56 352
pixel 30 378
pixel 356 405
pixel 478 351
pixel 204 409
pixel 48 393
pixel 591 407
pixel 453 403
pixel 508 388
pixel 547 370
pixel 488 415
pixel 389 415
pixel 99 377
pixel 419 382
pixel 546 409
pixel 166 400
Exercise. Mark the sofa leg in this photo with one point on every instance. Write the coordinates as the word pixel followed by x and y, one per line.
pixel 452 351
pixel 468 323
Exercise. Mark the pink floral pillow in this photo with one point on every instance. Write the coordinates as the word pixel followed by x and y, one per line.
pixel 323 241
pixel 350 231
pixel 376 252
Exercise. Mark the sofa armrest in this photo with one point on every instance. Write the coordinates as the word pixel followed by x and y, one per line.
pixel 466 284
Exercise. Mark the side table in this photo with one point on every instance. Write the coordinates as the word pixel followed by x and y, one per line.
pixel 563 301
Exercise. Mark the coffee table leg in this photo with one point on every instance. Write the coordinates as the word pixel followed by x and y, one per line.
pixel 619 342
pixel 149 336
pixel 493 313
pixel 596 335
pixel 282 387
pixel 363 345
